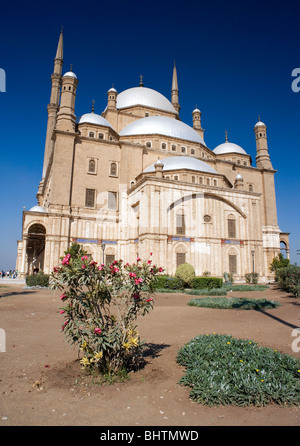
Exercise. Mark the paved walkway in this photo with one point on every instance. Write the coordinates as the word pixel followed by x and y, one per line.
pixel 9 281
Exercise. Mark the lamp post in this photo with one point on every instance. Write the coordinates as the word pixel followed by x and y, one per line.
pixel 103 249
pixel 252 252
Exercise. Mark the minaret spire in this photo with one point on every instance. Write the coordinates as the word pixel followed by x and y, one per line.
pixel 175 90
pixel 52 109
pixel 59 51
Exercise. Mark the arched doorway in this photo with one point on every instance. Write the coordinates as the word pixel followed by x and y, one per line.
pixel 35 248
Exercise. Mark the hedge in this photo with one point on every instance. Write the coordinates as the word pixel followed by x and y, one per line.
pixel 39 279
pixel 167 282
pixel 206 282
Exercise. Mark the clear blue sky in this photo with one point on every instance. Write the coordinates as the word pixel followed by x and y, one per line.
pixel 234 60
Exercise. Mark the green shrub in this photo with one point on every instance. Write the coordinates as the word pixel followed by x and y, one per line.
pixel 167 283
pixel 206 282
pixel 238 303
pixel 39 280
pixel 246 287
pixel 100 306
pixel 224 370
pixel 185 272
pixel 251 277
pixel 289 279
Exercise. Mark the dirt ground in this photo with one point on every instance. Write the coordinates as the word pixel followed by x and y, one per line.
pixel 42 384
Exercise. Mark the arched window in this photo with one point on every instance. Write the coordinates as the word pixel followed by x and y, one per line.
pixel 92 166
pixel 180 224
pixel 231 226
pixel 113 169
pixel 91 134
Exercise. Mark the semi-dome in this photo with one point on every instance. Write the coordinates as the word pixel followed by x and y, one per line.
pixel 93 118
pixel 229 147
pixel 70 74
pixel 37 209
pixel 144 96
pixel 183 162
pixel 162 125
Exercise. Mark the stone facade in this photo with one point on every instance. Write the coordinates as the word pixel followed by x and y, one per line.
pixel 136 180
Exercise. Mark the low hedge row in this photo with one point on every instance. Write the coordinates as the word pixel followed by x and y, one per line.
pixel 174 283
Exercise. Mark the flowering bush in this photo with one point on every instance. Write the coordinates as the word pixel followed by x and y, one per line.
pixel 289 279
pixel 100 307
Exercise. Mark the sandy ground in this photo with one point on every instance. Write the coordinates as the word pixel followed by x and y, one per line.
pixel 42 384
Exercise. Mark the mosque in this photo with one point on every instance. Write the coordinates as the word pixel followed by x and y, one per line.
pixel 135 179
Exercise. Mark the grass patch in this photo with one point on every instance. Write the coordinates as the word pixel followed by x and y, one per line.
pixel 225 289
pixel 246 287
pixel 224 370
pixel 239 303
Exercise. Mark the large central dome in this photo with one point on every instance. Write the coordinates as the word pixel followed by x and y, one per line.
pixel 144 96
pixel 162 125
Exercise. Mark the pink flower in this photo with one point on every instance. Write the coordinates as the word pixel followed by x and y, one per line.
pixel 149 262
pixel 151 253
pixel 62 312
pixel 63 296
pixel 139 280
pixel 150 299
pixel 160 270
pixel 63 326
pixel 138 259
pixel 98 330
pixel 83 258
pixel 66 259
pixel 100 268
pixel 132 275
pixel 93 263
pixel 83 266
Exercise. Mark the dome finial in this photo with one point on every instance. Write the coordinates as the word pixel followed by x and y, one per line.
pixel 226 137
pixel 141 81
pixel 71 67
pixel 93 106
pixel 258 117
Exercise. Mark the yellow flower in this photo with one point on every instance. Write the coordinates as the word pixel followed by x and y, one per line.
pixel 84 361
pixel 262 380
pixel 127 346
pixel 134 341
pixel 98 356
pixel 257 370
pixel 298 371
pixel 228 342
pixel 241 360
pixel 83 345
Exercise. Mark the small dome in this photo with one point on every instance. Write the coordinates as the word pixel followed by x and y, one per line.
pixel 182 162
pixel 229 147
pixel 93 118
pixel 37 209
pixel 196 110
pixel 162 125
pixel 144 96
pixel 112 90
pixel 259 123
pixel 70 74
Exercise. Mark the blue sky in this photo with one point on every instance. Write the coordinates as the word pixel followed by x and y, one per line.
pixel 234 60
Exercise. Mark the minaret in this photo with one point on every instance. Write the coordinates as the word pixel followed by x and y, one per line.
pixel 52 109
pixel 175 91
pixel 262 153
pixel 197 121
pixel 66 118
pixel 112 98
